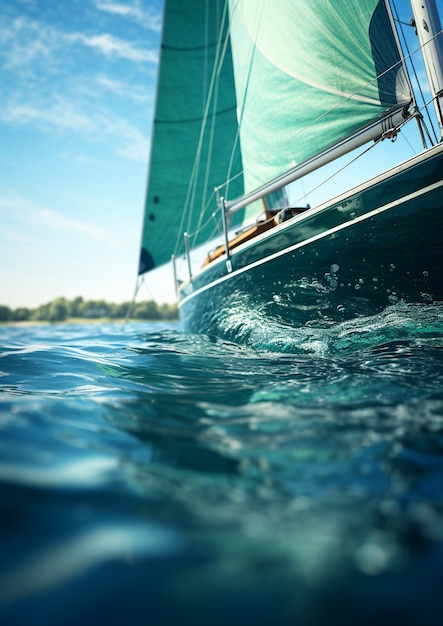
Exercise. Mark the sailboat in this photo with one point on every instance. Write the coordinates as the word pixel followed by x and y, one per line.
pixel 253 96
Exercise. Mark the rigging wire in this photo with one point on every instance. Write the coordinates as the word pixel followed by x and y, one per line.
pixel 409 57
pixel 214 87
pixel 406 57
pixel 212 96
pixel 192 187
pixel 417 114
pixel 341 169
pixel 339 104
pixel 138 283
pixel 203 206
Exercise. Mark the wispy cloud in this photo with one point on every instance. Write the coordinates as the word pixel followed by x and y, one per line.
pixel 24 42
pixel 134 144
pixel 42 219
pixel 147 17
pixel 97 125
pixel 11 203
pixel 54 78
pixel 136 150
pixel 119 88
pixel 60 113
pixel 113 46
pixel 56 220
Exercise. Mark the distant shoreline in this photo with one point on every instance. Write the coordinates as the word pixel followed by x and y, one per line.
pixel 85 320
pixel 79 311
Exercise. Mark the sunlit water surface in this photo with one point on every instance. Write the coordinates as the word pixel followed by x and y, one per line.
pixel 148 476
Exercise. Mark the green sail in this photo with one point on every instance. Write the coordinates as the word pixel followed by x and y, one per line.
pixel 195 144
pixel 306 77
pixel 301 77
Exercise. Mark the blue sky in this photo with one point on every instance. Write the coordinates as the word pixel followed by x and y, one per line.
pixel 77 85
pixel 77 90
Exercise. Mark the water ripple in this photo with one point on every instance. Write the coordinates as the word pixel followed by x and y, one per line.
pixel 312 463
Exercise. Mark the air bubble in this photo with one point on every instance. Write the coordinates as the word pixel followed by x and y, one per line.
pixel 334 268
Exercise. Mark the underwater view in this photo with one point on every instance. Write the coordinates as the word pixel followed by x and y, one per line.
pixel 149 476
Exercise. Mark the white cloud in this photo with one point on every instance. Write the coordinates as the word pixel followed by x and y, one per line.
pixel 135 143
pixel 12 202
pixel 119 88
pixel 58 221
pixel 149 18
pixel 24 42
pixel 28 212
pixel 113 46
pixel 55 80
pixel 136 151
pixel 97 125
pixel 120 9
pixel 61 114
pixel 19 237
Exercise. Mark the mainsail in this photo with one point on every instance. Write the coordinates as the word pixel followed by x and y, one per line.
pixel 195 144
pixel 301 77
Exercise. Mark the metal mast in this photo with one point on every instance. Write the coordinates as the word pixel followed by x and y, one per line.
pixel 428 26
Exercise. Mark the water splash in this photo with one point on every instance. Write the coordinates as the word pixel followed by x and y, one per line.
pixel 287 472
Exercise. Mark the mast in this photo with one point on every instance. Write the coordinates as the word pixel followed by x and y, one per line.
pixel 428 26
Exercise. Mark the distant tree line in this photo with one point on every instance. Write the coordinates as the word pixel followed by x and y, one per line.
pixel 61 309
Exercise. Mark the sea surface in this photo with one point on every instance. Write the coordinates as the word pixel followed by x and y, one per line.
pixel 149 476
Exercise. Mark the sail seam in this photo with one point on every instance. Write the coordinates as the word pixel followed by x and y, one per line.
pixel 193 49
pixel 196 119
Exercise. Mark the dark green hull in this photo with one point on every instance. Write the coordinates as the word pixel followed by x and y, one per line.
pixel 379 244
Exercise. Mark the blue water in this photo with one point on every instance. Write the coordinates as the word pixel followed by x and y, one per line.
pixel 148 476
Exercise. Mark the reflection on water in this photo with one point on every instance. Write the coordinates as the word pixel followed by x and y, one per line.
pixel 72 557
